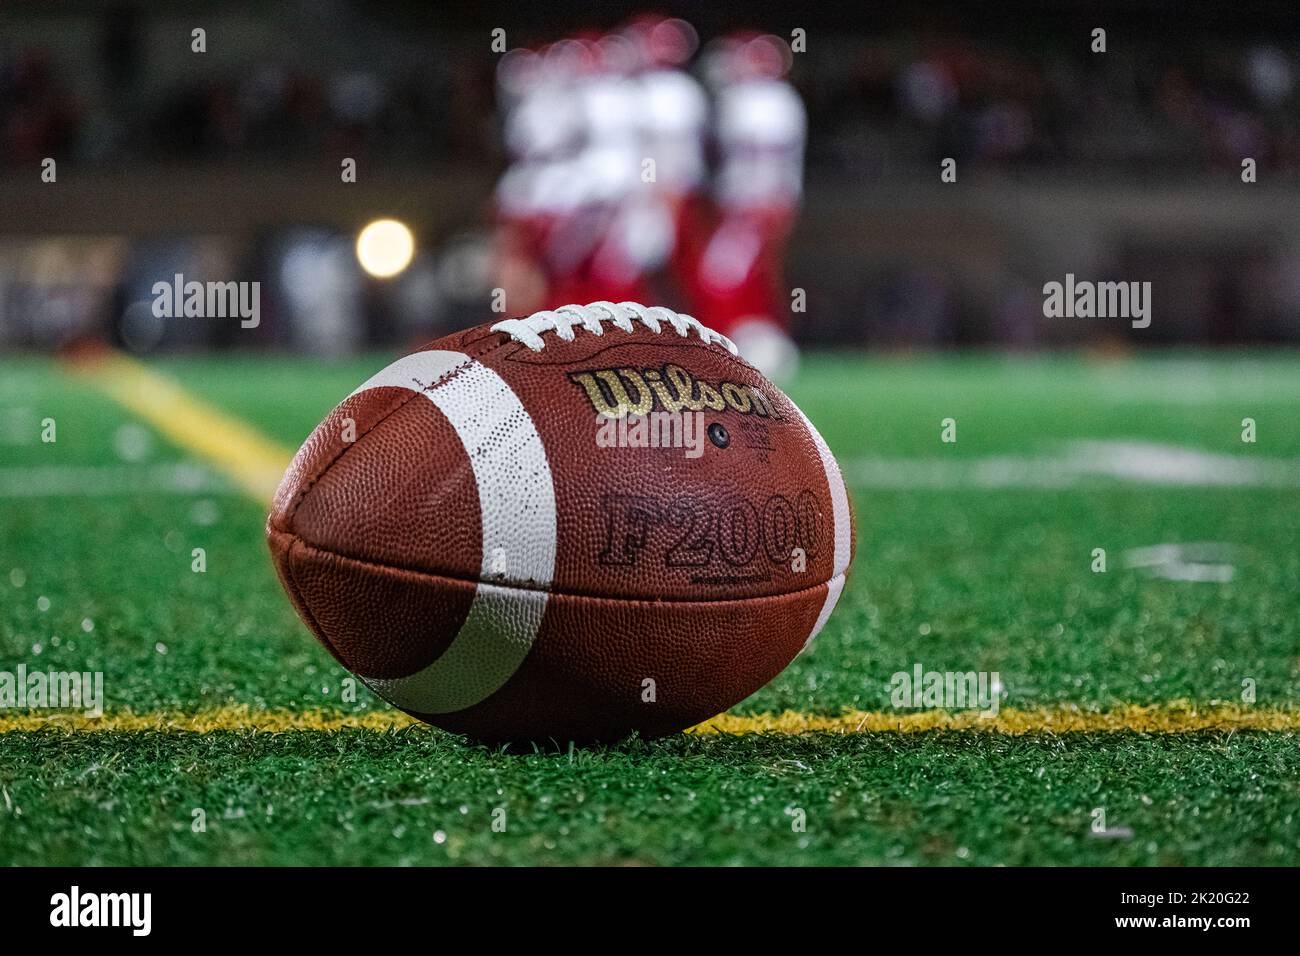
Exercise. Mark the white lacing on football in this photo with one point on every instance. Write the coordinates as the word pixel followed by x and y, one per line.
pixel 566 318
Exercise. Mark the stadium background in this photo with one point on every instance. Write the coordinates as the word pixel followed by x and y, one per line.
pixel 1108 166
pixel 1126 734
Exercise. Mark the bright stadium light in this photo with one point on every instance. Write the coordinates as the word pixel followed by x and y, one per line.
pixel 385 247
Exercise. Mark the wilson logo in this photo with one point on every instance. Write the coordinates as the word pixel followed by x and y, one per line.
pixel 617 392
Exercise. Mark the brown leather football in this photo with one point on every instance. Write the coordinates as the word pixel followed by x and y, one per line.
pixel 570 526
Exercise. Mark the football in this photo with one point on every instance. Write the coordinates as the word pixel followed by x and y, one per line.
pixel 571 526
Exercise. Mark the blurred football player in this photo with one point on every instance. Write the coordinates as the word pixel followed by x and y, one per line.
pixel 564 234
pixel 539 195
pixel 673 116
pixel 733 271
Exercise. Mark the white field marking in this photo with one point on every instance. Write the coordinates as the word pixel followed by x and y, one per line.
pixel 1186 561
pixel 1195 382
pixel 20 383
pixel 98 481
pixel 19 426
pixel 1078 463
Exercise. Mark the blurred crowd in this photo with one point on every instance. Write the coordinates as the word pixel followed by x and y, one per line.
pixel 1134 108
pixel 39 115
pixel 872 100
pixel 737 123
pixel 272 111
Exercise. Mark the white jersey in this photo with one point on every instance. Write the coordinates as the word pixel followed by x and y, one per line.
pixel 543 124
pixel 673 116
pixel 761 128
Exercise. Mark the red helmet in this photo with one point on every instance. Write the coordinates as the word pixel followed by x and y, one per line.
pixel 661 41
pixel 747 56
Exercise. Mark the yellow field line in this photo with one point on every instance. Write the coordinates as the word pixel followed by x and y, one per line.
pixel 1176 718
pixel 251 460
pixel 255 464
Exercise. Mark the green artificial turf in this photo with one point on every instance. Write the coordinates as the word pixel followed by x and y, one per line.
pixel 954 576
pixel 418 797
